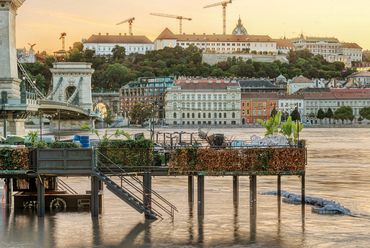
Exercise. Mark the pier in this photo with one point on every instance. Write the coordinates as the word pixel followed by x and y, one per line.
pixel 128 174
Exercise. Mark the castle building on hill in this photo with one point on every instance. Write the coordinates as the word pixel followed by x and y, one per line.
pixel 237 42
pixel 104 44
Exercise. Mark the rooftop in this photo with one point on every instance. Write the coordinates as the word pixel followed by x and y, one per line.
pixel 200 84
pixel 257 83
pixel 118 39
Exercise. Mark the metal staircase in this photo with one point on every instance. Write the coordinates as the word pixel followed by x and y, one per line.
pixel 131 190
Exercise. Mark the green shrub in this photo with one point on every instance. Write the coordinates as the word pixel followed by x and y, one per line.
pixel 64 145
pixel 29 123
pixel 14 158
pixel 40 144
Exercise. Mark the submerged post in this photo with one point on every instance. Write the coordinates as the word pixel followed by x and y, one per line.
pixel 253 206
pixel 279 187
pixel 9 191
pixel 303 197
pixel 147 197
pixel 94 196
pixel 236 190
pixel 190 189
pixel 41 196
pixel 200 195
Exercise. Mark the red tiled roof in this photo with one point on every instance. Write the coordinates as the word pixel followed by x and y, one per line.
pixel 118 39
pixel 318 95
pixel 360 74
pixel 259 95
pixel 301 79
pixel 351 90
pixel 284 43
pixel 168 34
pixel 202 84
pixel 350 45
pixel 290 96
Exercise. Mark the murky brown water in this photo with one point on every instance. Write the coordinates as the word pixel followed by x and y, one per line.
pixel 338 169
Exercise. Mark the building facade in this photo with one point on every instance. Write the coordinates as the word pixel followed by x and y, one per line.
pixel 147 90
pixel 287 104
pixel 363 78
pixel 256 106
pixel 104 44
pixel 215 43
pixel 203 102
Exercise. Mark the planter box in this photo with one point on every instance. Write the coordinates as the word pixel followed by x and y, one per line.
pixel 62 161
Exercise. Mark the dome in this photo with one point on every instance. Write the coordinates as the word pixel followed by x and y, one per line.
pixel 239 29
pixel 281 79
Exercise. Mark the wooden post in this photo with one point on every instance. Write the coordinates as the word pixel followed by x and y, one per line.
pixel 41 196
pixel 94 196
pixel 253 207
pixel 190 189
pixel 279 187
pixel 147 197
pixel 200 195
pixel 171 140
pixel 191 139
pixel 303 197
pixel 9 191
pixel 236 190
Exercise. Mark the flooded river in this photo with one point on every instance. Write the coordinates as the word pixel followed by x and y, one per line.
pixel 338 169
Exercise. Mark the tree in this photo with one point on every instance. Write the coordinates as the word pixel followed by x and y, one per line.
pixel 344 113
pixel 78 45
pixel 49 60
pixel 284 116
pixel 119 52
pixel 141 113
pixel 109 117
pixel 329 114
pixel 320 114
pixel 75 56
pixel 273 112
pixel 115 75
pixel 296 116
pixel 365 113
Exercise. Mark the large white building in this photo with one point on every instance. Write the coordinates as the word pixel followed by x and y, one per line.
pixel 203 101
pixel 236 42
pixel 104 44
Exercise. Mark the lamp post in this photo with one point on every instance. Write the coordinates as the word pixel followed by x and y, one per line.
pixel 180 109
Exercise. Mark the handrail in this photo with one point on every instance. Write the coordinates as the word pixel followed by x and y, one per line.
pixel 55 89
pixel 28 79
pixel 173 208
pixel 66 187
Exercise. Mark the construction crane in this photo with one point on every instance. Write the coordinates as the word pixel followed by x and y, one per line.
pixel 63 37
pixel 31 45
pixel 173 16
pixel 130 21
pixel 223 4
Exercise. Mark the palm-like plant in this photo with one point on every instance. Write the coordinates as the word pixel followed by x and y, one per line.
pixel 32 136
pixel 271 124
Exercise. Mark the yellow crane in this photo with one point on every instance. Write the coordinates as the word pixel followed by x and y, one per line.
pixel 223 4
pixel 130 21
pixel 180 18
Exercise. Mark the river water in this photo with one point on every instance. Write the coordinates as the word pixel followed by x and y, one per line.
pixel 338 169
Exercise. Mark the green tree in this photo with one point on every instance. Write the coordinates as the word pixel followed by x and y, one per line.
pixel 115 75
pixel 344 113
pixel 274 112
pixel 296 116
pixel 119 52
pixel 320 114
pixel 109 117
pixel 49 60
pixel 74 56
pixel 365 112
pixel 329 114
pixel 141 113
pixel 78 45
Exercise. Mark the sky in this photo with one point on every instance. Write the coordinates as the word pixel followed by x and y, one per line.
pixel 41 22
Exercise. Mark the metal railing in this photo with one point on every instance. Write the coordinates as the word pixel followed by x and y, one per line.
pixel 139 187
pixel 29 80
pixel 65 187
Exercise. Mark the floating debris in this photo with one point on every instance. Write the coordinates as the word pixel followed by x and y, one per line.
pixel 322 206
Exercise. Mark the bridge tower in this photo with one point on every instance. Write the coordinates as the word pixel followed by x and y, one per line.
pixel 9 80
pixel 72 83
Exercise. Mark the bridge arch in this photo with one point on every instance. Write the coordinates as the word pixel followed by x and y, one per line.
pixel 103 107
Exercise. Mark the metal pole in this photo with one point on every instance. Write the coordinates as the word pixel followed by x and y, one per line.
pixel 200 196
pixel 190 189
pixel 94 196
pixel 9 191
pixel 40 116
pixel 5 128
pixel 147 180
pixel 58 124
pixel 279 187
pixel 40 196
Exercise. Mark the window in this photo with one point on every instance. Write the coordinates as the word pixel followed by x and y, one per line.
pixel 174 115
pixel 243 104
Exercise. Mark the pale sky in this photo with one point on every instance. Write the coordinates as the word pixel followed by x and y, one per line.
pixel 42 21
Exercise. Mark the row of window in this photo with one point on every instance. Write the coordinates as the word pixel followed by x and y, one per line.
pixel 203 115
pixel 225 44
pixel 259 104
pixel 203 97
pixel 201 106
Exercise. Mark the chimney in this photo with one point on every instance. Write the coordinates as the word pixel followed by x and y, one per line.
pixel 99 33
pixel 125 33
pixel 119 34
pixel 107 34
